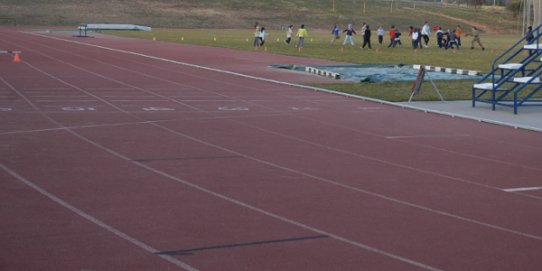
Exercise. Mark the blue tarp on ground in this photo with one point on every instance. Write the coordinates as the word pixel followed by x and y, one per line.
pixel 378 72
pixel 386 73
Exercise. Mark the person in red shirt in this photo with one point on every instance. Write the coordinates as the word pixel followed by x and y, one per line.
pixel 392 35
pixel 458 35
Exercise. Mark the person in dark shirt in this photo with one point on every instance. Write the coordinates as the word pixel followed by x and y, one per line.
pixel 367 37
pixel 529 36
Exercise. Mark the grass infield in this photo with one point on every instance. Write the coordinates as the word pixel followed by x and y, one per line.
pixel 317 45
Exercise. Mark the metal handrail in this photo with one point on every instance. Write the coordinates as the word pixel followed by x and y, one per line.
pixel 498 60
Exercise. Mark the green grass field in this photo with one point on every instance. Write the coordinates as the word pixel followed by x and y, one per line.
pixel 241 13
pixel 318 46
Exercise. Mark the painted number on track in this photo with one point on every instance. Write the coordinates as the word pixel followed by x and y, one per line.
pixel 5 109
pixel 304 108
pixel 158 109
pixel 239 108
pixel 78 108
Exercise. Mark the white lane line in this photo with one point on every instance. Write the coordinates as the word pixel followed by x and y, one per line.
pixel 256 209
pixel 65 101
pixel 139 101
pixel 96 221
pixel 288 169
pixel 58 96
pixel 522 189
pixel 211 192
pixel 424 136
pixel 126 96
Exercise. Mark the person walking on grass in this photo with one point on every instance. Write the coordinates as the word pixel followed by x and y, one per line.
pixel 301 34
pixel 289 33
pixel 256 44
pixel 452 41
pixel 458 33
pixel 392 32
pixel 348 37
pixel 475 38
pixel 397 40
pixel 441 41
pixel 367 37
pixel 363 27
pixel 335 34
pixel 415 35
pixel 426 31
pixel 262 35
pixel 380 33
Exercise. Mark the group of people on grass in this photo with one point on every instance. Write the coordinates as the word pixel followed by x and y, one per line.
pixel 419 37
pixel 260 34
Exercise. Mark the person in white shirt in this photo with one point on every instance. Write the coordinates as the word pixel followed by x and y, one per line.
pixel 426 31
pixel 289 33
pixel 262 35
pixel 380 33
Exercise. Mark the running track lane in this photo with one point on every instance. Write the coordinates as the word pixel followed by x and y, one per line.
pixel 223 172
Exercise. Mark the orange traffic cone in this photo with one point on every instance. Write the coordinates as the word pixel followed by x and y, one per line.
pixel 16 58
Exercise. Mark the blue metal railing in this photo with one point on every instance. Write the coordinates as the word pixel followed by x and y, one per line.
pixel 498 81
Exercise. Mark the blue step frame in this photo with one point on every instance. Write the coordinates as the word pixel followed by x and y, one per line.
pixel 504 91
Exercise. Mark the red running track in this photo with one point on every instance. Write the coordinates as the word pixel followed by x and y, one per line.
pixel 124 156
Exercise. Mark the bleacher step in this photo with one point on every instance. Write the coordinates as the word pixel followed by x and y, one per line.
pixel 510 66
pixel 535 46
pixel 526 80
pixel 484 86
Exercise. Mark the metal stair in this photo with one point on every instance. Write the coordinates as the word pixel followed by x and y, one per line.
pixel 515 76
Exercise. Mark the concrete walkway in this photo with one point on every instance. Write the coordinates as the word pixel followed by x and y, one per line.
pixel 528 117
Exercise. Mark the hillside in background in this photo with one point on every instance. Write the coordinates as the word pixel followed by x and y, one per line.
pixel 242 14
